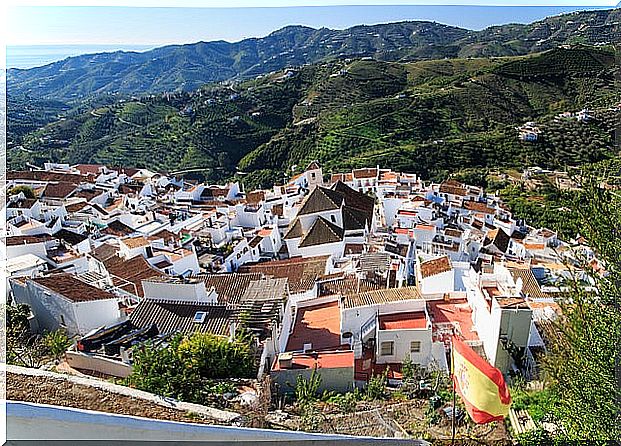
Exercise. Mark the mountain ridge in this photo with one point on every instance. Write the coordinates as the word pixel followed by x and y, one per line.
pixel 186 67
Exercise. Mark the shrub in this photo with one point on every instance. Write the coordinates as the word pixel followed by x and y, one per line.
pixel 533 437
pixel 56 343
pixel 186 368
pixel 26 190
pixel 376 389
pixel 307 390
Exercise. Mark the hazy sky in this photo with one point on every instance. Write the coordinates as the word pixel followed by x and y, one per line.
pixel 40 24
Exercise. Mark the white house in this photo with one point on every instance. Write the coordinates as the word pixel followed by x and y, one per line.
pixel 63 301
pixel 435 277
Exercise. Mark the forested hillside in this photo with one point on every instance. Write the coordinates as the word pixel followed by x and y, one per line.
pixel 431 117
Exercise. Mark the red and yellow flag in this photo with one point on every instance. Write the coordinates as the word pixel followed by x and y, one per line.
pixel 481 386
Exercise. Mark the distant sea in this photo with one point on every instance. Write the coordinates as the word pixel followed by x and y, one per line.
pixel 29 56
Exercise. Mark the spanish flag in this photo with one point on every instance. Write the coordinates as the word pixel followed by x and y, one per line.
pixel 481 386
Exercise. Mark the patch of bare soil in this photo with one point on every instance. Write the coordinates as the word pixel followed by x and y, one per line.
pixel 58 392
pixel 396 419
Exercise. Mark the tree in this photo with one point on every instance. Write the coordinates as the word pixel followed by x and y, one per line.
pixel 584 361
pixel 26 190
pixel 29 349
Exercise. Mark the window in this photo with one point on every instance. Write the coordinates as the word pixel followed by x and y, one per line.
pixel 62 320
pixel 199 317
pixel 387 348
pixel 312 175
pixel 415 347
pixel 333 218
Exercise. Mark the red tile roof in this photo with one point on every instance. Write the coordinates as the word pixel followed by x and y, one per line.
pixel 133 270
pixel 319 325
pixel 478 207
pixel 73 289
pixel 435 266
pixel 85 169
pixel 39 175
pixel 301 272
pixel 58 190
pixel 230 287
pixel 26 239
pixel 403 321
pixel 365 173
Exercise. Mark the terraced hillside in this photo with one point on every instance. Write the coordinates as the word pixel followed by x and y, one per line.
pixel 431 117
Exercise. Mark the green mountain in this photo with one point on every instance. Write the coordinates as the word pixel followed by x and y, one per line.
pixel 187 67
pixel 433 117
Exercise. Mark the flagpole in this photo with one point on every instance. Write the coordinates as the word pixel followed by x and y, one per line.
pixel 454 397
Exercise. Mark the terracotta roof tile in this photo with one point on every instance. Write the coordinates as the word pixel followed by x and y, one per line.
pixel 300 272
pixel 321 232
pixel 72 288
pixel 381 296
pixel 230 287
pixel 435 266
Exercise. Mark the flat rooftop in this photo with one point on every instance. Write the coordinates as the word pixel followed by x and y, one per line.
pixel 319 325
pixel 453 313
pixel 323 360
pixel 415 320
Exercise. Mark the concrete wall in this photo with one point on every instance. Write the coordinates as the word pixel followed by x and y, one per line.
pixel 29 421
pixel 82 361
pixel 338 380
pixel 186 292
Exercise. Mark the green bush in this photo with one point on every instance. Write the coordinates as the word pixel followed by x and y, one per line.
pixel 307 390
pixel 187 367
pixel 56 343
pixel 376 388
pixel 533 437
pixel 26 190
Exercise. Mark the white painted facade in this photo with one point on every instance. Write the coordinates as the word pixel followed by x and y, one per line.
pixel 53 311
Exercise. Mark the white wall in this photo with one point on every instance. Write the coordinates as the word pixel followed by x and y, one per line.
pixel 401 346
pixel 29 421
pixel 352 319
pixel 37 249
pixel 50 309
pixel 438 284
pixel 390 207
pixel 333 249
pixel 187 262
pixel 185 292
